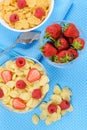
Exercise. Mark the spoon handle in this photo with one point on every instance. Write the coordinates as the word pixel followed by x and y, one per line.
pixel 7 49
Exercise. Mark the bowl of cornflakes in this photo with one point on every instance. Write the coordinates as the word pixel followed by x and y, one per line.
pixel 25 15
pixel 23 84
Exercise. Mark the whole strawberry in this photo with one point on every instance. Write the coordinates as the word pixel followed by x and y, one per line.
pixel 78 43
pixel 73 53
pixel 53 31
pixel 61 44
pixel 48 50
pixel 70 30
pixel 62 57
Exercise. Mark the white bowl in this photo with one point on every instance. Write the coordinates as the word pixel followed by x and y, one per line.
pixel 30 29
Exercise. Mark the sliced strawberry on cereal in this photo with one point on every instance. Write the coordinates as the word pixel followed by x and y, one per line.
pixel 64 105
pixel 78 43
pixel 70 30
pixel 48 50
pixel 73 53
pixel 14 18
pixel 20 84
pixel 6 75
pixel 61 44
pixel 33 75
pixel 1 93
pixel 37 93
pixel 18 103
pixel 52 108
pixel 39 12
pixel 53 31
pixel 21 4
pixel 20 62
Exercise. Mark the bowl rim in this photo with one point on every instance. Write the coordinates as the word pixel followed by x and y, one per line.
pixel 26 111
pixel 61 65
pixel 26 30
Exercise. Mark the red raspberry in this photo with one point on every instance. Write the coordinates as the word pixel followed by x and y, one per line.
pixel 21 4
pixel 14 18
pixel 1 93
pixel 52 108
pixel 37 94
pixel 20 62
pixel 20 84
pixel 39 12
pixel 64 105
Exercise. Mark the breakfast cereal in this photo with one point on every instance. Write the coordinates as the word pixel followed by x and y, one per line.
pixel 24 14
pixel 23 84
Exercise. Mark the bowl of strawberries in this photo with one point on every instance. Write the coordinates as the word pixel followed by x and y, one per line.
pixel 61 43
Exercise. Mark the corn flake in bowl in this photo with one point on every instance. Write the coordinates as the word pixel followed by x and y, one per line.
pixel 23 84
pixel 25 15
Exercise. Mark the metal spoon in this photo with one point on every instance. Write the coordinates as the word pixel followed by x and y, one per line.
pixel 24 38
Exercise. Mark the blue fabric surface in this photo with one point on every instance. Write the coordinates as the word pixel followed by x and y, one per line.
pixel 74 76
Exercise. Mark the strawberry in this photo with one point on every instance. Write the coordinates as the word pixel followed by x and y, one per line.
pixel 20 84
pixel 62 57
pixel 61 44
pixel 48 50
pixel 20 62
pixel 14 18
pixel 70 30
pixel 6 75
pixel 18 103
pixel 53 31
pixel 78 43
pixel 1 93
pixel 37 94
pixel 73 52
pixel 70 40
pixel 33 75
pixel 64 105
pixel 21 4
pixel 52 108
pixel 39 12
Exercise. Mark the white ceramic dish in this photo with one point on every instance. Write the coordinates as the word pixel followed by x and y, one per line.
pixel 7 26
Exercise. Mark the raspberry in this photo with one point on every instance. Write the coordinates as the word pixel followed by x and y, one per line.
pixel 21 4
pixel 20 62
pixel 37 94
pixel 20 84
pixel 14 18
pixel 39 13
pixel 1 93
pixel 64 105
pixel 52 108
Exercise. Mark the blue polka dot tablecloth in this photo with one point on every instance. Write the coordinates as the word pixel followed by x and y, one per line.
pixel 74 76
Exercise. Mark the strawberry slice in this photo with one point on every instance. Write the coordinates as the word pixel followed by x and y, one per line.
pixel 64 105
pixel 52 108
pixel 37 94
pixel 20 84
pixel 14 18
pixel 20 62
pixel 6 75
pixel 39 13
pixel 33 75
pixel 18 103
pixel 1 93
pixel 21 4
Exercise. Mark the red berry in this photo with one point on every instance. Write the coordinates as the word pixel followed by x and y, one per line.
pixel 33 75
pixel 39 13
pixel 20 62
pixel 1 93
pixel 64 105
pixel 20 84
pixel 52 108
pixel 14 18
pixel 18 103
pixel 73 53
pixel 37 94
pixel 21 4
pixel 6 75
